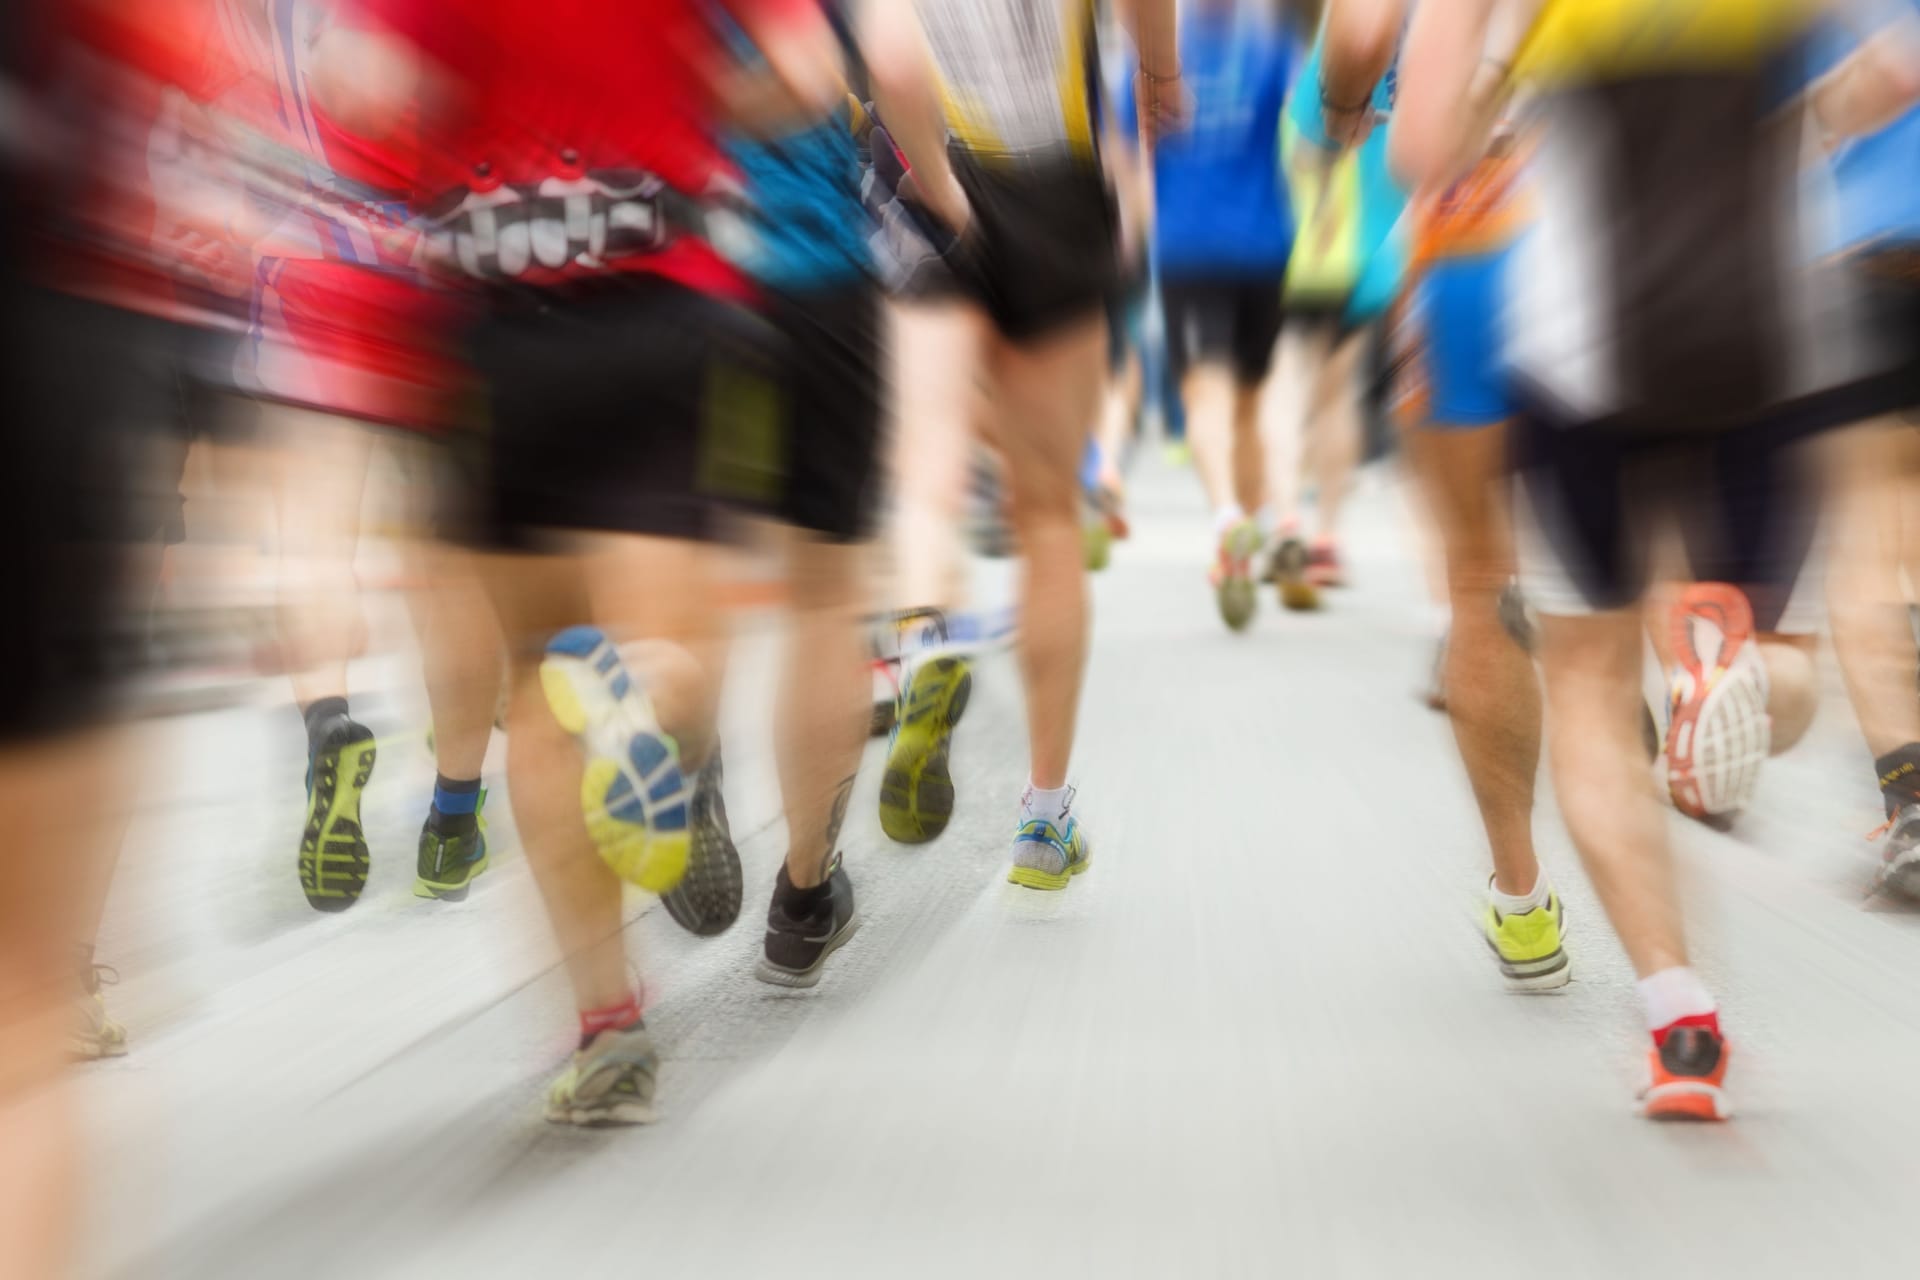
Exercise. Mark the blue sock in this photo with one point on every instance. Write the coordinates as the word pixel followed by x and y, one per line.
pixel 456 802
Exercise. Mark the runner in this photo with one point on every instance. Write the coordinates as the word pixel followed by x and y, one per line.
pixel 626 398
pixel 1025 315
pixel 1345 271
pixel 1222 233
pixel 1633 398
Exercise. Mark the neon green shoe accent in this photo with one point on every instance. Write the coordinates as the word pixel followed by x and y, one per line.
pixel 1529 946
pixel 1041 846
pixel 652 860
pixel 562 699
pixel 916 788
pixel 1035 878
pixel 333 847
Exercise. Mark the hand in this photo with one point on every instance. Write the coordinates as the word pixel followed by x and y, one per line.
pixel 949 204
pixel 1162 104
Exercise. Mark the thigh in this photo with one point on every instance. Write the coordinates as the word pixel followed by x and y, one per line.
pixel 1583 546
pixel 1048 392
pixel 1753 525
pixel 1199 321
pixel 831 402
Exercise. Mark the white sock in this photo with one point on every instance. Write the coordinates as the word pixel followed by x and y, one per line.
pixel 1673 994
pixel 1267 520
pixel 1508 904
pixel 1038 802
pixel 1227 517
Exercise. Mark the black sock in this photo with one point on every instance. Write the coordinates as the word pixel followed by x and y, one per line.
pixel 1899 772
pixel 317 713
pixel 798 903
pixel 456 805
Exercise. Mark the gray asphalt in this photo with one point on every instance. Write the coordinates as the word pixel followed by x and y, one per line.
pixel 1260 1038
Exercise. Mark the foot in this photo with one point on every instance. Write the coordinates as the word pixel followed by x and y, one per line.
pixel 1048 854
pixel 633 794
pixel 1686 1076
pixel 805 927
pixel 1287 569
pixel 1528 946
pixel 333 848
pixel 1323 564
pixel 95 1035
pixel 1718 730
pixel 452 855
pixel 610 1081
pixel 707 901
pixel 1232 574
pixel 916 791
pixel 1900 854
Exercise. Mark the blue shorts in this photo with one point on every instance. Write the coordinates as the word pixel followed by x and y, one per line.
pixel 1458 304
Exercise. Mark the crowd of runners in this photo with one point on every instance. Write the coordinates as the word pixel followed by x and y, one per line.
pixel 1630 287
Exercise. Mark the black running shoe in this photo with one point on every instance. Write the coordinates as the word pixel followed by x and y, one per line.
pixel 453 853
pixel 797 947
pixel 333 847
pixel 707 900
pixel 1900 855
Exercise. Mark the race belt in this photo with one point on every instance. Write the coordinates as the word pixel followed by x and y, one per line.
pixel 566 223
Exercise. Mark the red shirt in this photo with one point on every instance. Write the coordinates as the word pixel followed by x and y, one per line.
pixel 560 89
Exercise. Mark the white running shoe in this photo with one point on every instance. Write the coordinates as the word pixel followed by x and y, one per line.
pixel 1718 730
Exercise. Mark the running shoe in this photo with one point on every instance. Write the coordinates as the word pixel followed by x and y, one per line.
pixel 797 946
pixel 1287 569
pixel 450 861
pixel 1323 564
pixel 95 1035
pixel 886 693
pixel 1232 576
pixel 632 790
pixel 1096 539
pixel 610 1081
pixel 1718 730
pixel 1529 946
pixel 916 790
pixel 1686 1076
pixel 333 848
pixel 707 901
pixel 1900 855
pixel 1177 454
pixel 1047 855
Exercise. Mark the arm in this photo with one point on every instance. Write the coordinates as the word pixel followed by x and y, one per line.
pixel 1878 83
pixel 1152 24
pixel 1453 85
pixel 1358 43
pixel 901 68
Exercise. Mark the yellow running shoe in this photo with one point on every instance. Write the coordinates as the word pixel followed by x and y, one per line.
pixel 1048 855
pixel 633 792
pixel 1528 946
pixel 916 791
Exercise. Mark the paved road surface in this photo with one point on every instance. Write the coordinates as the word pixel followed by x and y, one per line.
pixel 1261 1038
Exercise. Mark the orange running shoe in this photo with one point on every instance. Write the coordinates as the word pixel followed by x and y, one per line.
pixel 1687 1073
pixel 1718 729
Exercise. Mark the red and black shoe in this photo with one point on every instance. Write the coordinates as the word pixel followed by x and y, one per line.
pixel 1687 1071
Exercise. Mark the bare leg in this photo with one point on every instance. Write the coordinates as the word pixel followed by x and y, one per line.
pixel 1593 699
pixel 1117 417
pixel 1047 392
pixel 1283 413
pixel 1493 697
pixel 938 356
pixel 1249 452
pixel 1335 430
pixel 1208 393
pixel 1874 528
pixel 460 655
pixel 1793 694
pixel 823 707
pixel 323 472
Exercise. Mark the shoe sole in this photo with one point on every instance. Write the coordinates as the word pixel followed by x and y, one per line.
pixel 451 891
pixel 1703 751
pixel 633 793
pixel 916 790
pixel 1685 1100
pixel 625 1114
pixel 352 770
pixel 1035 878
pixel 708 899
pixel 800 979
pixel 1903 877
pixel 1529 980
pixel 1237 596
pixel 1290 572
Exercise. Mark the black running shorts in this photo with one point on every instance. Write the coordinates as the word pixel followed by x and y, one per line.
pixel 635 405
pixel 1041 251
pixel 828 361
pixel 1219 321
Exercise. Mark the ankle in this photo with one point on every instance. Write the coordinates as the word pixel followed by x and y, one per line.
pixel 1674 998
pixel 614 1017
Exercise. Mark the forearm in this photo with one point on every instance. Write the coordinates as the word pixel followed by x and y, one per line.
pixel 1878 83
pixel 900 67
pixel 1152 24
pixel 1358 44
